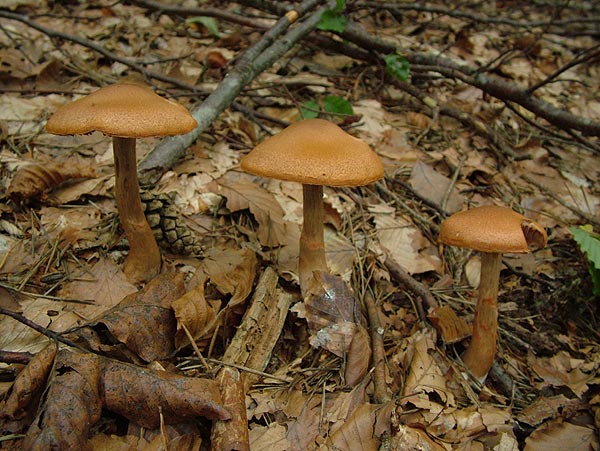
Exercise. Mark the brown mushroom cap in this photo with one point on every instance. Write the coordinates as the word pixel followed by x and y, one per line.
pixel 124 110
pixel 315 152
pixel 492 229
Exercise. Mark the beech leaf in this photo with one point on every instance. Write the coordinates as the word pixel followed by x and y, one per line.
pixel 232 271
pixel 141 395
pixel 330 313
pixel 262 204
pixel 72 405
pixel 35 179
pixel 27 385
pixel 193 312
pixel 144 321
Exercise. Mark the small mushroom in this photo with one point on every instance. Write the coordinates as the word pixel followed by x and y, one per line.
pixel 493 231
pixel 126 111
pixel 314 152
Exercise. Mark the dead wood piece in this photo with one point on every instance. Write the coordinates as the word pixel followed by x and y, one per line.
pixel 231 435
pixel 261 326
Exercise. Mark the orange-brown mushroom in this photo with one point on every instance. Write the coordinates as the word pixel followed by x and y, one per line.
pixel 314 152
pixel 126 112
pixel 493 231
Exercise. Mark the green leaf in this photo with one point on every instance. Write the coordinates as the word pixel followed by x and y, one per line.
pixel 337 105
pixel 588 242
pixel 208 22
pixel 309 110
pixel 397 66
pixel 332 19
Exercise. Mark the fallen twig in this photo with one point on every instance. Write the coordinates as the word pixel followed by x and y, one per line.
pixel 42 330
pixel 400 275
pixel 200 11
pixel 380 392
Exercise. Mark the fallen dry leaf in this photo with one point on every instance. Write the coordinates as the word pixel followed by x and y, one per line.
pixel 425 375
pixel 231 271
pixel 19 337
pixel 304 420
pixel 432 185
pixel 141 395
pixel 73 404
pixel 26 388
pixel 104 283
pixel 193 312
pixel 35 179
pixel 563 370
pixel 244 194
pixel 404 242
pixel 358 358
pixel 269 438
pixel 357 431
pixel 144 321
pixel 414 439
pixel 449 325
pixel 544 408
pixel 558 436
pixel 330 311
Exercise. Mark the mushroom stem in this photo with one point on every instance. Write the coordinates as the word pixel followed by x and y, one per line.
pixel 480 354
pixel 144 261
pixel 312 244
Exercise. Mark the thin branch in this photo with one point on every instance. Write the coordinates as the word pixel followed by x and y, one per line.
pixel 42 330
pixel 556 25
pixel 200 11
pixel 505 91
pixel 401 276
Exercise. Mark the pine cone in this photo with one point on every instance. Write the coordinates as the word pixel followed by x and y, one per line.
pixel 168 225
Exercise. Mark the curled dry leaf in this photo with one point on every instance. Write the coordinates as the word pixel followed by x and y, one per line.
pixel 262 204
pixel 425 375
pixel 193 312
pixel 330 313
pixel 418 120
pixel 141 395
pixel 35 179
pixel 557 435
pixel 232 271
pixel 358 358
pixel 27 386
pixel 449 325
pixel 357 431
pixel 142 321
pixel 72 405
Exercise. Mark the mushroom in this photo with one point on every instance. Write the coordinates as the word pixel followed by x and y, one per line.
pixel 126 111
pixel 493 231
pixel 314 152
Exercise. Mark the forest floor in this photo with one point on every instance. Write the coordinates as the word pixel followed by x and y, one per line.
pixel 111 365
